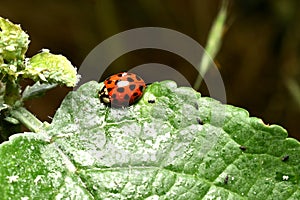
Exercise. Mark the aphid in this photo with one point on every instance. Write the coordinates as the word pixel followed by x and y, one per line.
pixel 285 158
pixel 243 148
pixel 196 106
pixel 122 89
pixel 226 179
pixel 199 121
pixel 151 101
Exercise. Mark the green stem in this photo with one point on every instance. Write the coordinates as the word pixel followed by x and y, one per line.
pixel 26 118
pixel 294 89
pixel 12 92
pixel 213 43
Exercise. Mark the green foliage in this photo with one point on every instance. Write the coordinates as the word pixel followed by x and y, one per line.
pixel 36 90
pixel 13 46
pixel 172 144
pixel 182 146
pixel 45 68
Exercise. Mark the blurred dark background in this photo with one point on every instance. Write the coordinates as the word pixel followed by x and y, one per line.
pixel 259 58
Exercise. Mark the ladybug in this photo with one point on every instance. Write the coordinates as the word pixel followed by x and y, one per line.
pixel 122 89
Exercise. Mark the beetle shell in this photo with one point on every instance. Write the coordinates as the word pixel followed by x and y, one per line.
pixel 122 89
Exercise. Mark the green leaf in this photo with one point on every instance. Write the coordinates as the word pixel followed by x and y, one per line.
pixel 13 46
pixel 37 90
pixel 181 146
pixel 51 68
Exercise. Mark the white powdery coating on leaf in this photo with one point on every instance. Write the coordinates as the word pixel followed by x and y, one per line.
pixel 37 179
pixel 55 162
pixel 213 194
pixel 93 141
pixel 59 196
pixel 161 139
pixel 12 179
pixel 68 130
pixel 149 131
pixel 154 197
pixel 71 190
pixel 67 162
pixel 84 158
pixel 55 178
pixel 91 121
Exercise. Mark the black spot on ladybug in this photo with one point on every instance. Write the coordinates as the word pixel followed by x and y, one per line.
pixel 138 78
pixel 109 81
pixel 109 89
pixel 120 89
pixel 141 88
pixel 135 94
pixel 226 179
pixel 115 101
pixel 131 87
pixel 130 79
pixel 151 101
pixel 120 75
pixel 199 121
pixel 126 97
pixel 243 148
pixel 285 158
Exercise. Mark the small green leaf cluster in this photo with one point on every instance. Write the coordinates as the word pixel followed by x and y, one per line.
pixel 13 46
pixel 45 68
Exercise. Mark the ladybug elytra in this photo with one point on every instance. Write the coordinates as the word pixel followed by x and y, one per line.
pixel 122 89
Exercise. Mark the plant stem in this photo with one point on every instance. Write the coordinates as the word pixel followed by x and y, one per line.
pixel 294 89
pixel 12 92
pixel 214 42
pixel 26 118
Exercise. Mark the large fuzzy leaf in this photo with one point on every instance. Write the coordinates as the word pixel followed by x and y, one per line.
pixel 173 144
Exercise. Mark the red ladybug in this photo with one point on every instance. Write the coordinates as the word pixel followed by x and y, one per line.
pixel 122 89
